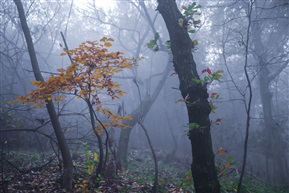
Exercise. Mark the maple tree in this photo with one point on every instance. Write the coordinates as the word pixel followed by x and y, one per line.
pixel 89 77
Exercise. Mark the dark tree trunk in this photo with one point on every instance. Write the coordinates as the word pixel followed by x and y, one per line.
pixel 203 166
pixel 65 153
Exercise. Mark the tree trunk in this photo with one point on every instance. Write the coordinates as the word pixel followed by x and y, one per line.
pixel 138 114
pixel 65 153
pixel 203 165
pixel 277 163
pixel 275 150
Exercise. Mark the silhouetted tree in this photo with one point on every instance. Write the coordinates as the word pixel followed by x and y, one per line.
pixel 67 160
pixel 203 165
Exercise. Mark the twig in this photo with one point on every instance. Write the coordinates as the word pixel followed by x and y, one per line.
pixel 154 157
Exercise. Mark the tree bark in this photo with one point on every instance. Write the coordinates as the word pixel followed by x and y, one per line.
pixel 203 165
pixel 65 153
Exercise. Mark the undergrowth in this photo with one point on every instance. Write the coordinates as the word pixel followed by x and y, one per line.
pixel 174 174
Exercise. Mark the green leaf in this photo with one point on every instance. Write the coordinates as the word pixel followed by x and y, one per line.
pixel 198 81
pixel 229 157
pixel 192 31
pixel 195 42
pixel 151 44
pixel 168 44
pixel 194 126
pixel 206 79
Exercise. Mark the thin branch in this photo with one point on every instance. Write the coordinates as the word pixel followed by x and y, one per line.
pixel 248 105
pixel 154 157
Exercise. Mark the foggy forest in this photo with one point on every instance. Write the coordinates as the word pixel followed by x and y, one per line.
pixel 137 96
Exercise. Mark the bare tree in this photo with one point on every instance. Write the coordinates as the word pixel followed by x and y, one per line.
pixel 270 62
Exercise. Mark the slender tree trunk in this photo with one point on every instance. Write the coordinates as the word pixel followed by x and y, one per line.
pixel 155 186
pixel 274 149
pixel 144 105
pixel 138 114
pixel 99 168
pixel 65 153
pixel 203 165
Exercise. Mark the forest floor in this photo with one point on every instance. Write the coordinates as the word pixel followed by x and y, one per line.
pixel 26 171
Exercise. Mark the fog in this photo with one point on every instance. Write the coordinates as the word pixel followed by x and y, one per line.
pixel 244 42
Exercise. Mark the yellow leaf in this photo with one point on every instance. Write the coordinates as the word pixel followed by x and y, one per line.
pixel 95 157
pixel 99 130
pixel 129 117
pixel 180 22
pixel 62 54
pixel 88 154
pixel 107 44
pixel 180 100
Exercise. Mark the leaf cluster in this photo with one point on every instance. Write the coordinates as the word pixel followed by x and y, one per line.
pixel 189 13
pixel 153 43
pixel 89 76
pixel 209 77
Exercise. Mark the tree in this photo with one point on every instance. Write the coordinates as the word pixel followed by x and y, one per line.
pixel 89 77
pixel 203 165
pixel 268 71
pixel 141 24
pixel 66 157
pixel 265 23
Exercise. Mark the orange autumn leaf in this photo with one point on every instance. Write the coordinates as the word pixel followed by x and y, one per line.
pixel 99 129
pixel 89 76
pixel 227 165
pixel 107 44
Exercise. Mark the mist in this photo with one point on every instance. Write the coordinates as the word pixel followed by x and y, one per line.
pixel 117 117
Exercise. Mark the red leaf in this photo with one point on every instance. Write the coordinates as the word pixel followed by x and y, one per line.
pixel 209 71
pixel 214 94
pixel 219 120
pixel 221 150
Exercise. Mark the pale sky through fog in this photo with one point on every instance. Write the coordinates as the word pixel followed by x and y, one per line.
pixel 106 4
